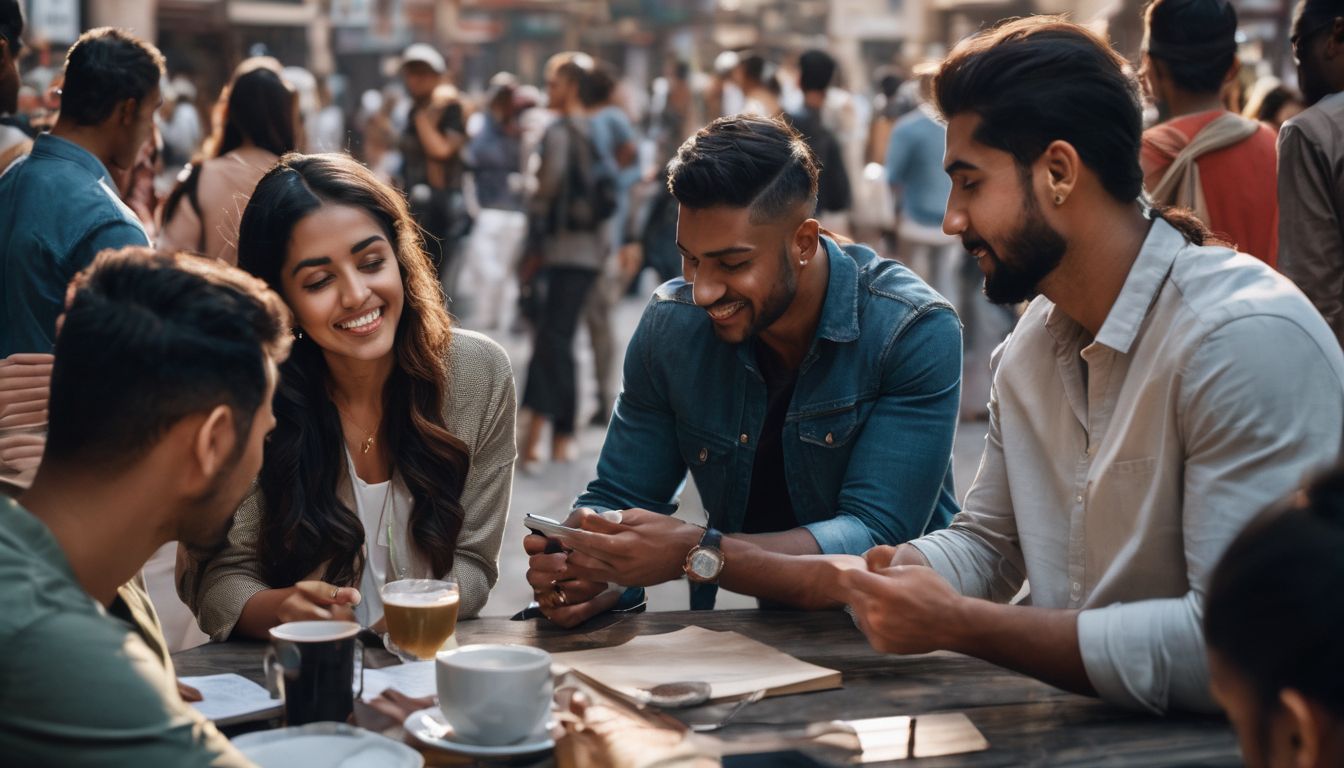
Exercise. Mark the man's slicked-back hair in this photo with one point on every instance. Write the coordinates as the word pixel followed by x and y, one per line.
pixel 745 161
pixel 149 338
pixel 105 67
pixel 1041 79
pixel 11 23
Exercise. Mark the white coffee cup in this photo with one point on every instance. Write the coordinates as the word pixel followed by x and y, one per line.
pixel 494 695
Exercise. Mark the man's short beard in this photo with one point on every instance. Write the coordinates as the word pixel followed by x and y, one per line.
pixel 1035 249
pixel 780 298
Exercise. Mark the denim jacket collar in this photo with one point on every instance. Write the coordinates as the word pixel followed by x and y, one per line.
pixel 63 149
pixel 839 312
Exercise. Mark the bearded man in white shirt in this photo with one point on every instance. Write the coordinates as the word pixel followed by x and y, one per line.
pixel 1156 395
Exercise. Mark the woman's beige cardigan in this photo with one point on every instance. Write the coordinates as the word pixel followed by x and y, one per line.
pixel 480 411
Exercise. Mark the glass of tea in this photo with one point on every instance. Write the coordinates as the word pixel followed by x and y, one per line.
pixel 420 614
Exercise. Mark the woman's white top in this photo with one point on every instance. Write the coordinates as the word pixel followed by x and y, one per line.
pixel 377 512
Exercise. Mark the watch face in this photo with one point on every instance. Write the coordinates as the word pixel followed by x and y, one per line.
pixel 705 563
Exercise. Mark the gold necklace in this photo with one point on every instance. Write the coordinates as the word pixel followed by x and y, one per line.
pixel 368 441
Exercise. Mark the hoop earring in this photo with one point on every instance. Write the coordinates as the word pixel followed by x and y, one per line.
pixel 1059 199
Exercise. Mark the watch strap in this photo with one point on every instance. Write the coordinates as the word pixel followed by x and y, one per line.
pixel 712 538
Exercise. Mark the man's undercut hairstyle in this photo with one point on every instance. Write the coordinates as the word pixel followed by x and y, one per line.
pixel 1041 79
pixel 150 338
pixel 1273 611
pixel 816 70
pixel 105 67
pixel 1195 39
pixel 745 161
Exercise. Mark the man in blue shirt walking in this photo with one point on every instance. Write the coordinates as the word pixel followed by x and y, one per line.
pixel 810 388
pixel 59 206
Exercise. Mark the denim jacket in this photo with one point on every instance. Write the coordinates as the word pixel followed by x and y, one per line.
pixel 58 209
pixel 867 435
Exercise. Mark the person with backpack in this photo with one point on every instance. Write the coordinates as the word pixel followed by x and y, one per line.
pixel 256 122
pixel 575 196
pixel 816 69
pixel 1203 157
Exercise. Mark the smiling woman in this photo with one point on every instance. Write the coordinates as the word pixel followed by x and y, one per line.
pixel 393 452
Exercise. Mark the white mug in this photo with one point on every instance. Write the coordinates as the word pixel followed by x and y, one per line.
pixel 494 695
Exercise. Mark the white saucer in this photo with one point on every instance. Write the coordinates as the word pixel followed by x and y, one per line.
pixel 429 728
pixel 326 745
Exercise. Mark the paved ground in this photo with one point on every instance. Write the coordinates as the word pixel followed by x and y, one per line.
pixel 550 492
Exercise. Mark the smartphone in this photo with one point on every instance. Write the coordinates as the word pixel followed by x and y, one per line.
pixel 545 526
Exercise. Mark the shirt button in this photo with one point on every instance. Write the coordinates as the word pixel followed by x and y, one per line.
pixel 1078 499
pixel 1077 587
pixel 830 438
pixel 743 439
pixel 704 455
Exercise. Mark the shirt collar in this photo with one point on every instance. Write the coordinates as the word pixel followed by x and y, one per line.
pixel 840 312
pixel 1144 282
pixel 55 146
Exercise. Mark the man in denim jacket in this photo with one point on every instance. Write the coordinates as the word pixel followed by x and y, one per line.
pixel 810 388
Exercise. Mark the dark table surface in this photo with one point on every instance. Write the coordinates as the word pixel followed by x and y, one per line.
pixel 1025 721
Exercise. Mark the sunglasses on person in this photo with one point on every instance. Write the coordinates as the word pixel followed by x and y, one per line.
pixel 12 41
pixel 1300 39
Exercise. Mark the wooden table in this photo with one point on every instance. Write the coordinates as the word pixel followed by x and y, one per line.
pixel 1025 721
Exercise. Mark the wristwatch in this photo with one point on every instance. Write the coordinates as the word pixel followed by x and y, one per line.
pixel 704 562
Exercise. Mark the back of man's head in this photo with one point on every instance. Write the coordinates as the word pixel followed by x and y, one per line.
pixel 150 338
pixel 11 36
pixel 816 69
pixel 104 68
pixel 597 85
pixel 745 161
pixel 1196 40
pixel 1041 79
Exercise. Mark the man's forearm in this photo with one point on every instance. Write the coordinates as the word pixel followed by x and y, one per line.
pixel 781 567
pixel 1039 642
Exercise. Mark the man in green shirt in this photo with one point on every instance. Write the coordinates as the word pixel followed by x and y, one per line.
pixel 160 404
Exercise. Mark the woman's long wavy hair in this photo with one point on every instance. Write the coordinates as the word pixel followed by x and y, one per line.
pixel 256 105
pixel 305 525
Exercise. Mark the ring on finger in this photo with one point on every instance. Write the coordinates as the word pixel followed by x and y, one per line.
pixel 560 596
pixel 334 591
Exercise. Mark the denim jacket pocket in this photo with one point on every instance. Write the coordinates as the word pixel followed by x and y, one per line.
pixel 708 456
pixel 832 430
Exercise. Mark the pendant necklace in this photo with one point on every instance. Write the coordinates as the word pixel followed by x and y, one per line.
pixel 368 441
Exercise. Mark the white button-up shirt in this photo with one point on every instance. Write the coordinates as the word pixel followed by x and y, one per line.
pixel 1117 469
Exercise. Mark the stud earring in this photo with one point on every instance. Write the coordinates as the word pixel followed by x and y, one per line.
pixel 1059 199
pixel 802 262
pixel 298 333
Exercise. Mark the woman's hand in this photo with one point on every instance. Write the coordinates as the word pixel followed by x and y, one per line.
pixel 318 600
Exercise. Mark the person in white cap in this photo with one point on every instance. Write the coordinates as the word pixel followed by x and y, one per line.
pixel 431 149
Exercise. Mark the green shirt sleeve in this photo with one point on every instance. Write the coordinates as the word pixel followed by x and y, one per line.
pixel 85 690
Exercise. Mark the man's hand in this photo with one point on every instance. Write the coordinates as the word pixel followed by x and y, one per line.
pixel 902 609
pixel 563 599
pixel 642 550
pixel 318 600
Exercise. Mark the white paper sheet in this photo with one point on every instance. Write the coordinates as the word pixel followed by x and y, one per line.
pixel 413 679
pixel 732 664
pixel 232 698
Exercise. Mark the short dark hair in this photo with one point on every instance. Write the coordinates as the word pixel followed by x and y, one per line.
pixel 105 67
pixel 754 66
pixel 816 69
pixel 596 85
pixel 745 161
pixel 1273 609
pixel 149 338
pixel 1041 79
pixel 11 24
pixel 1195 39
